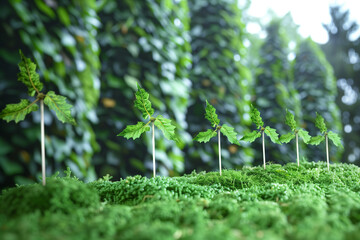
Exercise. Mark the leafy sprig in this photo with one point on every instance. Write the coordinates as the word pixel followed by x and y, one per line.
pixel 143 104
pixel 227 131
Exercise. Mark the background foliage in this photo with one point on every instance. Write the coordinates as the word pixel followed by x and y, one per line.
pixel 182 52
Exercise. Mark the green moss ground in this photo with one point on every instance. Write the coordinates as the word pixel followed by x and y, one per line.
pixel 281 202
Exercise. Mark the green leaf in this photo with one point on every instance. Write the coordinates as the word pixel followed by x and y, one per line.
pixel 250 137
pixel 290 120
pixel 320 123
pixel 287 137
pixel 29 76
pixel 272 134
pixel 205 136
pixel 230 134
pixel 210 114
pixel 304 135
pixel 142 102
pixel 255 117
pixel 166 127
pixel 134 131
pixel 316 140
pixel 58 104
pixel 17 112
pixel 335 138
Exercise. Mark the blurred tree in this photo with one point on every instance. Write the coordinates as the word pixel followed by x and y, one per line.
pixel 218 75
pixel 60 37
pixel 314 79
pixel 343 54
pixel 274 90
pixel 146 42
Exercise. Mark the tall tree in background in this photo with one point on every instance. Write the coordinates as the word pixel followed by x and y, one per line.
pixel 142 42
pixel 315 81
pixel 60 36
pixel 343 54
pixel 218 75
pixel 274 89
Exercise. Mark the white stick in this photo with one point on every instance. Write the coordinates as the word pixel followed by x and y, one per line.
pixel 327 152
pixel 42 142
pixel 263 144
pixel 153 150
pixel 297 149
pixel 219 151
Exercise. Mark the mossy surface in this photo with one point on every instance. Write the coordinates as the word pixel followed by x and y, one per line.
pixel 281 202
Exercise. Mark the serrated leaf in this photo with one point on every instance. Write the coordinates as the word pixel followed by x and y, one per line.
pixel 250 137
pixel 18 111
pixel 166 127
pixel 272 134
pixel 304 135
pixel 29 76
pixel 290 120
pixel 230 133
pixel 134 131
pixel 58 104
pixel 286 138
pixel 205 136
pixel 335 138
pixel 320 123
pixel 255 117
pixel 142 102
pixel 210 114
pixel 316 140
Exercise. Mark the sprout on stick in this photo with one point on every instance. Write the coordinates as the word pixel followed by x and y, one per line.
pixel 17 112
pixel 210 114
pixel 334 137
pixel 260 132
pixel 135 131
pixel 295 133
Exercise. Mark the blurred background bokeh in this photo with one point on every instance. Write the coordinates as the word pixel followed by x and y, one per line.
pixel 182 52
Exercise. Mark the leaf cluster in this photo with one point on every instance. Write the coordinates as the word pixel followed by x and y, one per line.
pixel 290 121
pixel 28 76
pixel 143 104
pixel 229 132
pixel 257 120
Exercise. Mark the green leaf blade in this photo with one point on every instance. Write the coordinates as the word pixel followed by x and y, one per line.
pixel 230 133
pixel 286 138
pixel 320 123
pixel 205 136
pixel 316 140
pixel 304 135
pixel 255 117
pixel 272 134
pixel 335 138
pixel 166 127
pixel 134 131
pixel 250 137
pixel 210 114
pixel 61 108
pixel 29 76
pixel 290 120
pixel 142 103
pixel 18 111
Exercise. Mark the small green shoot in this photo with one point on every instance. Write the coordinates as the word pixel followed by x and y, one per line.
pixel 17 112
pixel 295 133
pixel 334 137
pixel 143 103
pixel 210 114
pixel 262 130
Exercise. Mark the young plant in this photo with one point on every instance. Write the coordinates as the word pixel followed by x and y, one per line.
pixel 262 130
pixel 210 114
pixel 295 133
pixel 17 112
pixel 334 137
pixel 134 131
